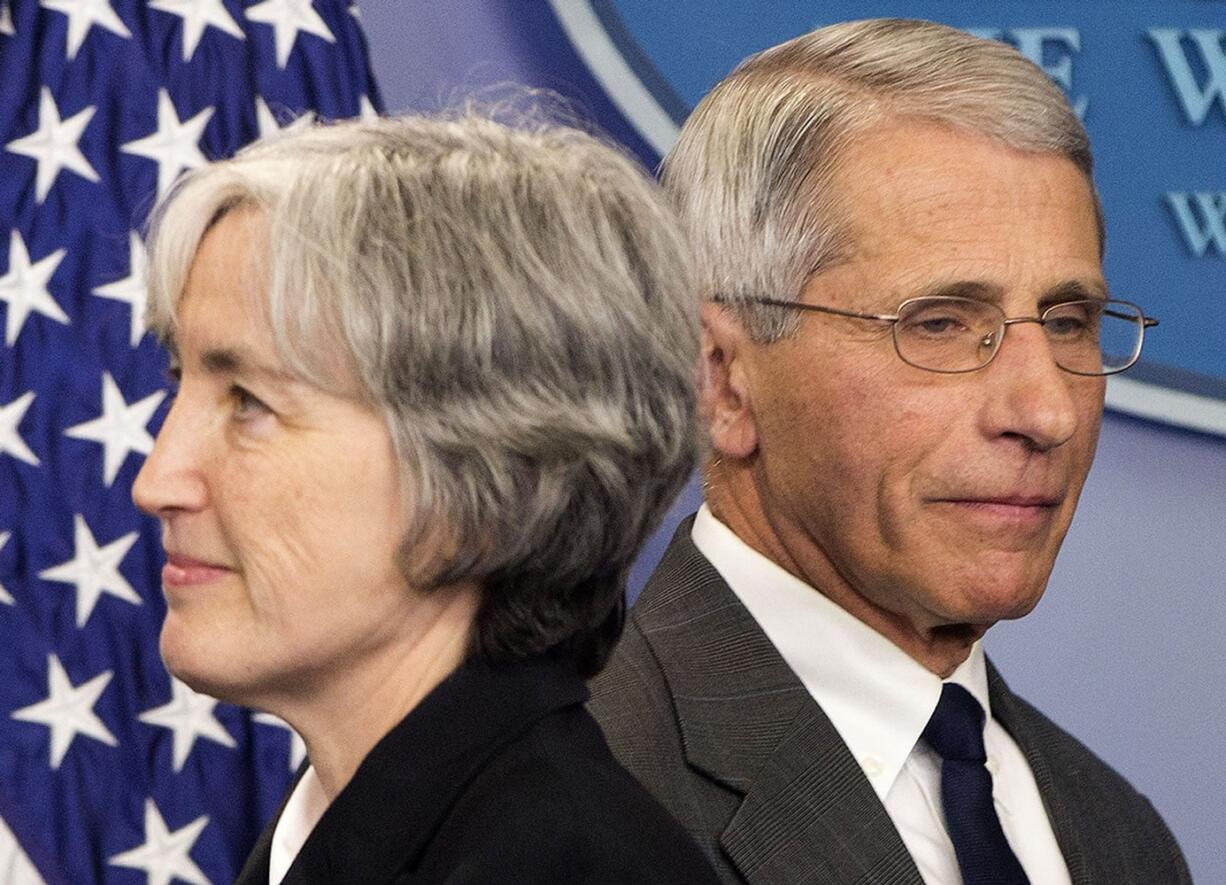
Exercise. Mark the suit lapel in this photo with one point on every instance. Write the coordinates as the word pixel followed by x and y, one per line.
pixel 1021 721
pixel 807 813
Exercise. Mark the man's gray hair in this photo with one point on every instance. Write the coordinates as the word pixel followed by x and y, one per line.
pixel 752 170
pixel 519 301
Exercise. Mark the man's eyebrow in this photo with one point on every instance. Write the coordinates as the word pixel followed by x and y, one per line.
pixel 1074 290
pixel 977 290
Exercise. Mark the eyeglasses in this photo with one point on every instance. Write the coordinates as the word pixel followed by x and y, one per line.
pixel 950 334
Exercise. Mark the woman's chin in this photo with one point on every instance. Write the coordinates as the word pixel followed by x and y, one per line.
pixel 204 667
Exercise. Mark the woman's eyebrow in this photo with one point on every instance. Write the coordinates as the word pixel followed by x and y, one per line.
pixel 239 361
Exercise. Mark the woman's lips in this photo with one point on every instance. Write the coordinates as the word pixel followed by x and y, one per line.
pixel 184 571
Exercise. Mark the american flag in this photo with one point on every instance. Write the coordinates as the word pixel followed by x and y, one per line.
pixel 110 770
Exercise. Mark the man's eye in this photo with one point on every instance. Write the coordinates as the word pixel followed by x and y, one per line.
pixel 246 405
pixel 936 326
pixel 1066 327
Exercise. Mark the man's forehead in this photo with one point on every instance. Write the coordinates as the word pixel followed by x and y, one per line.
pixel 930 187
pixel 934 162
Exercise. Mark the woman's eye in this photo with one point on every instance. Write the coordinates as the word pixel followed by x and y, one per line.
pixel 246 405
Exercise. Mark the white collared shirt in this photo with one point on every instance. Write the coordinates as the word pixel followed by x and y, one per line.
pixel 879 699
pixel 305 807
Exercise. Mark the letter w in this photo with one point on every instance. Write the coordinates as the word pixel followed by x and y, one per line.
pixel 1213 209
pixel 1196 100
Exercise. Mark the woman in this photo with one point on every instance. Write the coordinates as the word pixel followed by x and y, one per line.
pixel 435 389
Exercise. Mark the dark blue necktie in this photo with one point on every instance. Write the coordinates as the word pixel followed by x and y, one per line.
pixel 955 732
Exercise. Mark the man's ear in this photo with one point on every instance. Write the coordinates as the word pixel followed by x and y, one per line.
pixel 723 389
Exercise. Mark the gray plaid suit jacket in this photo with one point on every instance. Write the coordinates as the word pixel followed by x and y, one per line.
pixel 699 705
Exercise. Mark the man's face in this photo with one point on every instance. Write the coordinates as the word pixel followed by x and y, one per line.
pixel 924 499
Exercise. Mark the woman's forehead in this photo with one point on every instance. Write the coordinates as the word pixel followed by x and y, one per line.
pixel 225 292
pixel 224 320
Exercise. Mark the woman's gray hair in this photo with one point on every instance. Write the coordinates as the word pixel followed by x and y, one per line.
pixel 519 302
pixel 752 170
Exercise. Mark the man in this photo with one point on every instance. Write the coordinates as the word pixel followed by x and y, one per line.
pixel 905 338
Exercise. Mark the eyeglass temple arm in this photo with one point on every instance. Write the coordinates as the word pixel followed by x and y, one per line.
pixel 1149 322
pixel 797 305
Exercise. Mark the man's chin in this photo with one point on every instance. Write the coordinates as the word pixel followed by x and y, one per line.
pixel 978 611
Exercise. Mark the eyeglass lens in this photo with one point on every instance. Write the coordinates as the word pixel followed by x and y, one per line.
pixel 948 334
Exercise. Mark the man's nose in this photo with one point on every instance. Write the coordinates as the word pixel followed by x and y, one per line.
pixel 171 479
pixel 1032 397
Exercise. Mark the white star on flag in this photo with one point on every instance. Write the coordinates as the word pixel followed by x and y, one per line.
pixel 69 710
pixel 131 289
pixel 270 125
pixel 14 862
pixel 54 144
pixel 94 569
pixel 5 596
pixel 288 18
pixel 24 288
pixel 11 442
pixel 165 855
pixel 265 118
pixel 367 110
pixel 198 15
pixel 120 428
pixel 175 144
pixel 6 19
pixel 189 715
pixel 83 15
pixel 297 746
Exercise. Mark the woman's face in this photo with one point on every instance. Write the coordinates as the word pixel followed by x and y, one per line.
pixel 280 504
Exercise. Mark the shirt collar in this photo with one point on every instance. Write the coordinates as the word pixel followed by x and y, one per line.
pixel 306 805
pixel 878 697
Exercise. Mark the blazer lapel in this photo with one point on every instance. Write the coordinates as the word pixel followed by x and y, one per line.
pixel 807 813
pixel 255 868
pixel 383 821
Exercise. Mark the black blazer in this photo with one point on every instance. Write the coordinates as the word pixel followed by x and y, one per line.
pixel 699 705
pixel 498 776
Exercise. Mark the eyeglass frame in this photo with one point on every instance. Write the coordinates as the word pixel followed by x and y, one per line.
pixel 1147 322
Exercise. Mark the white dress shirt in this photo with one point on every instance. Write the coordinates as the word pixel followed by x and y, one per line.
pixel 879 699
pixel 305 807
